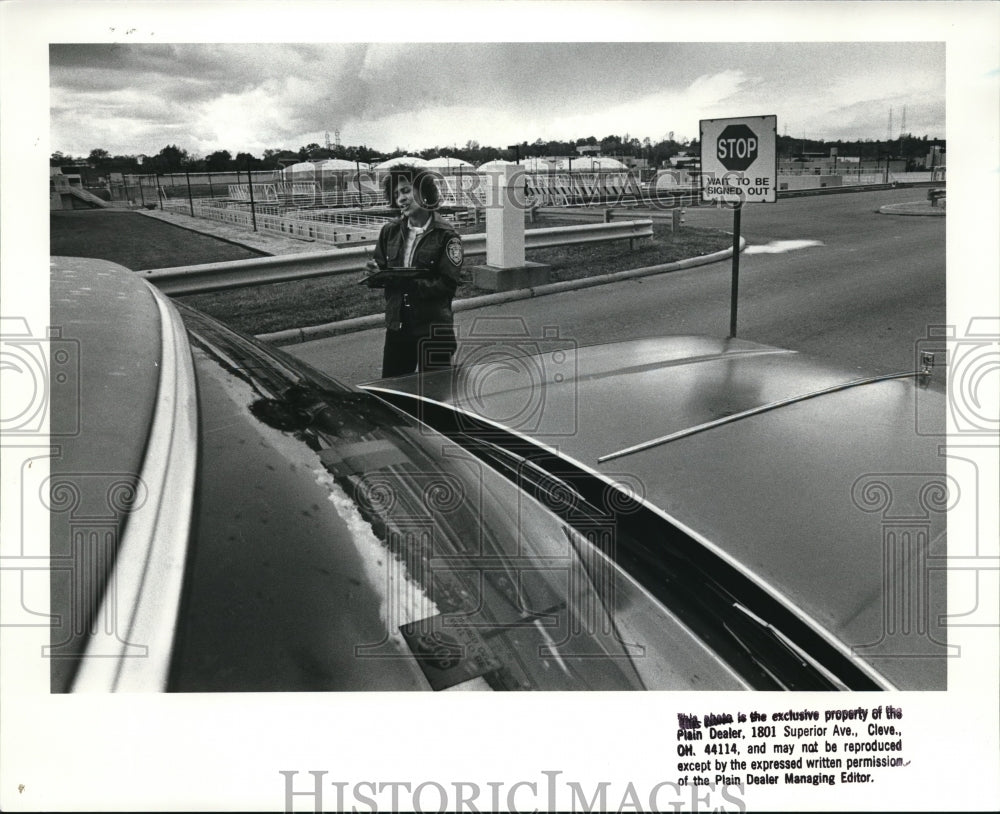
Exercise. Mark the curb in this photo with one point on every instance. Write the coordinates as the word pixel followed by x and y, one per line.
pixel 293 336
pixel 925 210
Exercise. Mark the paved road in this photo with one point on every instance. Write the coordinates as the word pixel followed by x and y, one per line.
pixel 864 297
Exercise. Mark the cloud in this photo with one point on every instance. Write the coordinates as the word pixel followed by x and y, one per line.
pixel 250 97
pixel 712 89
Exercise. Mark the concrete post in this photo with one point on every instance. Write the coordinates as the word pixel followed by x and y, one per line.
pixel 505 219
pixel 506 269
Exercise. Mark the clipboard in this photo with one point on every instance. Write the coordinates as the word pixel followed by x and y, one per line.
pixel 380 278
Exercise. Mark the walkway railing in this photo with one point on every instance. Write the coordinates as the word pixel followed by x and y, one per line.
pixel 272 219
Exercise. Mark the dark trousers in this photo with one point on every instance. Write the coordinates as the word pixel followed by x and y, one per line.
pixel 404 353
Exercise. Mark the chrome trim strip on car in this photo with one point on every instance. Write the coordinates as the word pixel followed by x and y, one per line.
pixel 626 370
pixel 771 590
pixel 802 654
pixel 619 370
pixel 687 360
pixel 762 408
pixel 144 590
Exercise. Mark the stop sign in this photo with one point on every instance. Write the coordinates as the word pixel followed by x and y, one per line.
pixel 736 147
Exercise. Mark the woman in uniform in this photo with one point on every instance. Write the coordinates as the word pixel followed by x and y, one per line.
pixel 419 323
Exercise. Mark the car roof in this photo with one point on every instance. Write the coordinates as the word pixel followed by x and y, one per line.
pixel 87 298
pixel 99 437
pixel 784 494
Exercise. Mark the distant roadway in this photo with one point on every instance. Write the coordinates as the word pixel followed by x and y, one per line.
pixel 863 294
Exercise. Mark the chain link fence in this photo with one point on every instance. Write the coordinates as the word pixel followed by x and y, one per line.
pixel 347 207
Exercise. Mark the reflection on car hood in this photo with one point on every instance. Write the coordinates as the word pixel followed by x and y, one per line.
pixel 815 499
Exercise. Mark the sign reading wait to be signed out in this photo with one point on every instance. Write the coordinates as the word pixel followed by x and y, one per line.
pixel 739 159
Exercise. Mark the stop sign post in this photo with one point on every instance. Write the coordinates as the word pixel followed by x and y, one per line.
pixel 739 164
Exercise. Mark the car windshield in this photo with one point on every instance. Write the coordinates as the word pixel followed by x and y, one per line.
pixel 478 583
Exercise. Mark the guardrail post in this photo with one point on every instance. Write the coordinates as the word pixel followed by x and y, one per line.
pixel 676 219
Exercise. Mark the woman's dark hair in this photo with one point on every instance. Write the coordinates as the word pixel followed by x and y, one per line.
pixel 423 181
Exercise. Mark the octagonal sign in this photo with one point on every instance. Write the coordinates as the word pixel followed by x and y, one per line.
pixel 736 147
pixel 739 162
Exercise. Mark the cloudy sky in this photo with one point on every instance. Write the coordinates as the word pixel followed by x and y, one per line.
pixel 138 98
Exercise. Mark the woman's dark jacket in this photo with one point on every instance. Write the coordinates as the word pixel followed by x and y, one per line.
pixel 415 305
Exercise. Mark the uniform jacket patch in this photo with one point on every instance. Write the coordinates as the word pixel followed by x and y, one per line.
pixel 454 250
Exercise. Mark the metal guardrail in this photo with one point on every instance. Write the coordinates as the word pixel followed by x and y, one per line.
pixel 208 277
pixel 585 233
pixel 202 279
pixel 804 193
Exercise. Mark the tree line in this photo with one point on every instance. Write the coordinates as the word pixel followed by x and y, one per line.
pixel 174 159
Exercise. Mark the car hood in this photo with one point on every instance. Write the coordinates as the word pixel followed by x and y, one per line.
pixel 277 531
pixel 834 502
